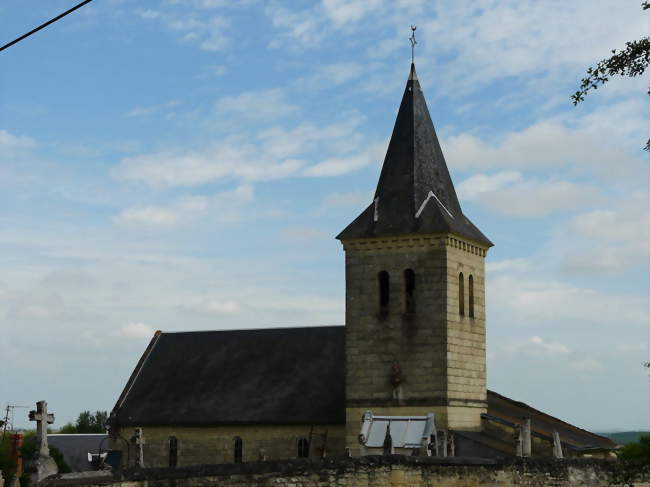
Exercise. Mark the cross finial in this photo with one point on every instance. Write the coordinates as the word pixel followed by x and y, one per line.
pixel 413 43
pixel 42 418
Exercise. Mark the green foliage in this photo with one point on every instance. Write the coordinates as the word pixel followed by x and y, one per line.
pixel 625 437
pixel 631 62
pixel 87 422
pixel 5 462
pixel 27 451
pixel 30 447
pixel 638 451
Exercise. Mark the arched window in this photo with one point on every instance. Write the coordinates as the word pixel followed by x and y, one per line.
pixel 238 450
pixel 409 291
pixel 173 451
pixel 384 291
pixel 303 448
pixel 461 294
pixel 471 296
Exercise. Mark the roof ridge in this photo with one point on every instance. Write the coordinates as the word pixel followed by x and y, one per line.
pixel 244 330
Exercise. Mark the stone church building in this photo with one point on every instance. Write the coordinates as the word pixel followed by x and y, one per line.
pixel 412 348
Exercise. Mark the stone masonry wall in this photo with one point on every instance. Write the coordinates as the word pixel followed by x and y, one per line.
pixel 374 342
pixel 208 445
pixel 441 355
pixel 392 471
pixel 466 357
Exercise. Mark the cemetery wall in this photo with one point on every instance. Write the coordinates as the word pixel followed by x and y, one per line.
pixel 392 471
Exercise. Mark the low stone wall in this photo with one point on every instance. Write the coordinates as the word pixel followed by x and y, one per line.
pixel 374 471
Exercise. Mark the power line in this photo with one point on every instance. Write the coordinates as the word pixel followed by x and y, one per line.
pixel 42 26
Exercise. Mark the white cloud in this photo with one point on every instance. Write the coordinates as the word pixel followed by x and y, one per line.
pixel 335 166
pixel 228 159
pixel 208 32
pixel 490 40
pixel 343 12
pixel 509 265
pixel 510 194
pixel 302 26
pixel 345 200
pixel 225 206
pixel 537 346
pixel 632 347
pixel 257 105
pixel 609 241
pixel 148 215
pixel 304 234
pixel 604 144
pixel 273 153
pixel 474 186
pixel 218 307
pixel 10 141
pixel 136 330
pixel 340 73
pixel 552 301
pixel 586 365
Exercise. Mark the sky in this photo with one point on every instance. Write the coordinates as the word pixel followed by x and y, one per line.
pixel 186 164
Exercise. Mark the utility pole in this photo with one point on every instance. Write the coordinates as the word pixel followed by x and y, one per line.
pixel 9 417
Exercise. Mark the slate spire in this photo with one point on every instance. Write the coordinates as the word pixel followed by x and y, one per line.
pixel 415 193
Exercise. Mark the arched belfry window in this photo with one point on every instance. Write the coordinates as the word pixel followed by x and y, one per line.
pixel 409 291
pixel 173 451
pixel 303 448
pixel 461 294
pixel 238 450
pixel 384 291
pixel 471 296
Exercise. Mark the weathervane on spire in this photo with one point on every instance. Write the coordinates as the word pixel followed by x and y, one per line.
pixel 413 43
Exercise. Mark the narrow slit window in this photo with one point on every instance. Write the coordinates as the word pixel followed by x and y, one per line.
pixel 384 291
pixel 238 453
pixel 409 291
pixel 461 294
pixel 173 451
pixel 303 448
pixel 471 296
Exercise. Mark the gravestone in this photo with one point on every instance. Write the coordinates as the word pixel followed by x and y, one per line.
pixel 557 445
pixel 138 440
pixel 42 465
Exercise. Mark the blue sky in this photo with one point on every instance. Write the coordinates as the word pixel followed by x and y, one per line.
pixel 186 164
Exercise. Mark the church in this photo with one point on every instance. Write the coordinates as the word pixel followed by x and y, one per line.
pixel 410 361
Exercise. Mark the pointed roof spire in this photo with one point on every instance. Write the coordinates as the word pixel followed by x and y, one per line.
pixel 415 193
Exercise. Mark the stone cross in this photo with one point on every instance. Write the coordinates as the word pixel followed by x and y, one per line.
pixel 42 418
pixel 557 445
pixel 452 445
pixel 444 443
pixel 138 439
pixel 524 440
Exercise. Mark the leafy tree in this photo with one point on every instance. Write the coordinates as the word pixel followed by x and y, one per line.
pixel 631 61
pixel 639 451
pixel 87 422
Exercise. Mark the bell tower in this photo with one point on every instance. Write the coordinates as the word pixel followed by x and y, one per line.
pixel 415 288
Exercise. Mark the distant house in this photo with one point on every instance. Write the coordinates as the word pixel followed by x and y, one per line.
pixel 75 448
pixel 413 345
